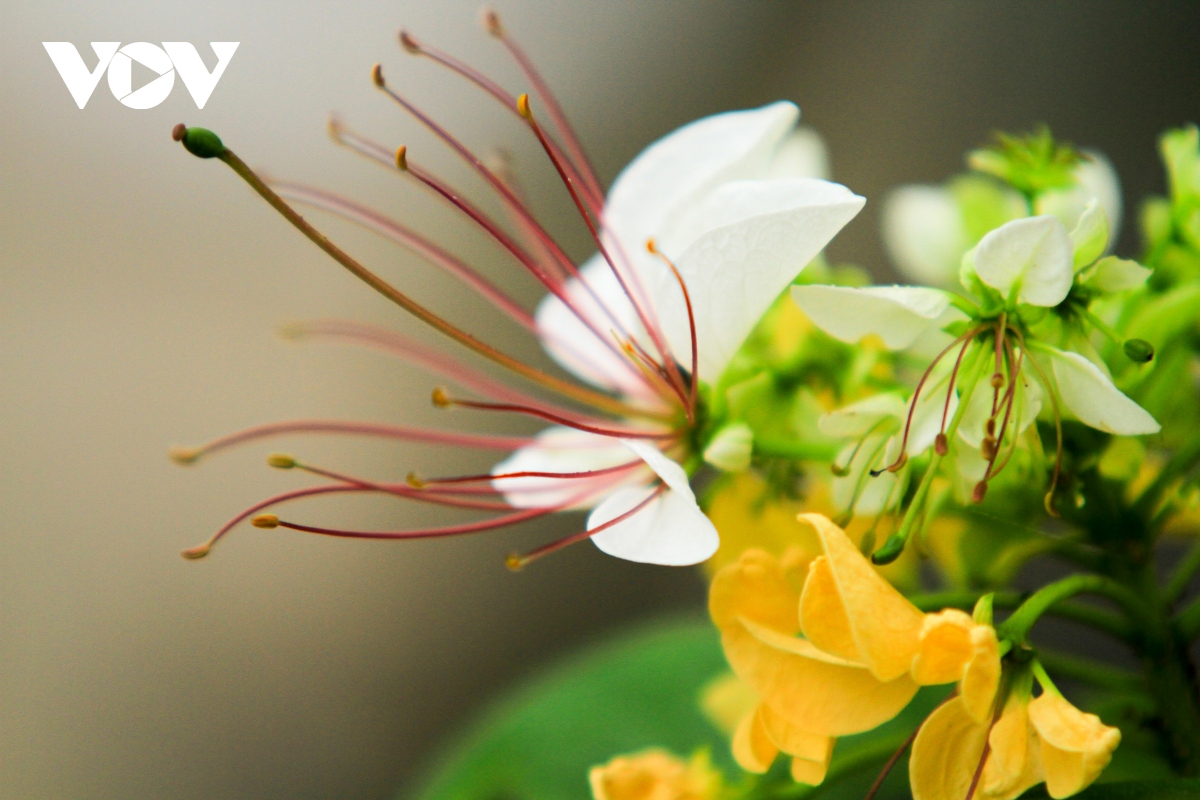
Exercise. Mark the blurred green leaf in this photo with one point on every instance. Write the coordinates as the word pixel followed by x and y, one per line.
pixel 637 690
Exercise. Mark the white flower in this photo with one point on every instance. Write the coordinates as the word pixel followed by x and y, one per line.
pixel 725 199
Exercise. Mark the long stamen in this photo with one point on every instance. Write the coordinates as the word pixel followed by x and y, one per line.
pixel 902 459
pixel 578 156
pixel 1048 500
pixel 415 352
pixel 489 524
pixel 190 455
pixel 996 470
pixel 442 400
pixel 409 239
pixel 594 199
pixel 420 483
pixel 687 299
pixel 280 461
pixel 517 562
pixel 566 388
pixel 940 445
pixel 655 334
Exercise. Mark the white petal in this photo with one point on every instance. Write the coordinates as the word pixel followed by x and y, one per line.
pixel 731 448
pixel 1028 404
pixel 1090 235
pixel 686 164
pixel 1034 254
pixel 801 155
pixel 874 492
pixel 561 450
pixel 671 473
pixel 670 530
pixel 924 232
pixel 1091 396
pixel 1114 274
pixel 576 347
pixel 737 250
pixel 898 314
pixel 1095 180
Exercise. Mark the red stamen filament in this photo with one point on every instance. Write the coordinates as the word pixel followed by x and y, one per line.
pixel 441 400
pixel 1048 500
pixel 403 432
pixel 423 482
pixel 516 562
pixel 687 299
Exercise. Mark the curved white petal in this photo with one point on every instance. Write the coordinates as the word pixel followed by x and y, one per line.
pixel 1090 235
pixel 1095 179
pixel 801 155
pixel 561 450
pixel 736 250
pixel 1089 394
pixel 686 164
pixel 924 233
pixel 670 530
pixel 897 314
pixel 1034 254
pixel 575 346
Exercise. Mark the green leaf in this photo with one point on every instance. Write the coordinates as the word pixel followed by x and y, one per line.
pixel 1131 790
pixel 635 691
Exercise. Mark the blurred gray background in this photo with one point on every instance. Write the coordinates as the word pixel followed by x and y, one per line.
pixel 140 288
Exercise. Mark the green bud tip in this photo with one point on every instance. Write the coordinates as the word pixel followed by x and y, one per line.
pixel 890 551
pixel 1139 350
pixel 200 142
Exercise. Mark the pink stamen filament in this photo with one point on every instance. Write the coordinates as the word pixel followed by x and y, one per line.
pixel 550 417
pixel 566 541
pixel 403 490
pixel 415 352
pixel 655 334
pixel 966 343
pixel 402 432
pixel 687 299
pixel 558 117
pixel 594 198
pixel 1048 501
pixel 404 237
pixel 532 474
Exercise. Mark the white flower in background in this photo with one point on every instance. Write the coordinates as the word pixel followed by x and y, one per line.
pixel 927 229
pixel 1009 354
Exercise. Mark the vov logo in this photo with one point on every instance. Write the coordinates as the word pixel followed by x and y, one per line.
pixel 172 57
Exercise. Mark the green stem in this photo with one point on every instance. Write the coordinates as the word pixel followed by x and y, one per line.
pixel 1187 621
pixel 1016 628
pixel 796 449
pixel 1099 618
pixel 1182 575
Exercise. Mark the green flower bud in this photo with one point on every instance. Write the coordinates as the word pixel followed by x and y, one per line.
pixel 1139 350
pixel 890 551
pixel 200 142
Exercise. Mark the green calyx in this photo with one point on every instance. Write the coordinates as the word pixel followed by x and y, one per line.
pixel 1030 163
pixel 200 142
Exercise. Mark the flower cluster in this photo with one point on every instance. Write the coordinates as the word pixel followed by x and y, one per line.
pixel 856 466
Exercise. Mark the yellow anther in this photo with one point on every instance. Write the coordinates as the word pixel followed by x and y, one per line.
pixel 997 380
pixel 377 75
pixel 184 455
pixel 333 126
pixel 409 43
pixel 413 480
pixel 281 461
pixel 491 22
pixel 402 157
pixel 523 106
pixel 651 246
pixel 197 552
pixel 514 562
pixel 899 463
pixel 265 521
pixel 440 398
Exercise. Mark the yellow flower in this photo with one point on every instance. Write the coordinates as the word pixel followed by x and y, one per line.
pixel 1046 739
pixel 865 650
pixel 654 774
pixel 1075 747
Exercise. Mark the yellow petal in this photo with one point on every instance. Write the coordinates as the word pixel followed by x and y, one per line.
pixel 981 678
pixel 754 587
pixel 654 775
pixel 821 606
pixel 1014 764
pixel 726 700
pixel 748 514
pixel 944 649
pixel 946 753
pixel 753 749
pixel 884 625
pixel 1075 747
pixel 795 741
pixel 810 772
